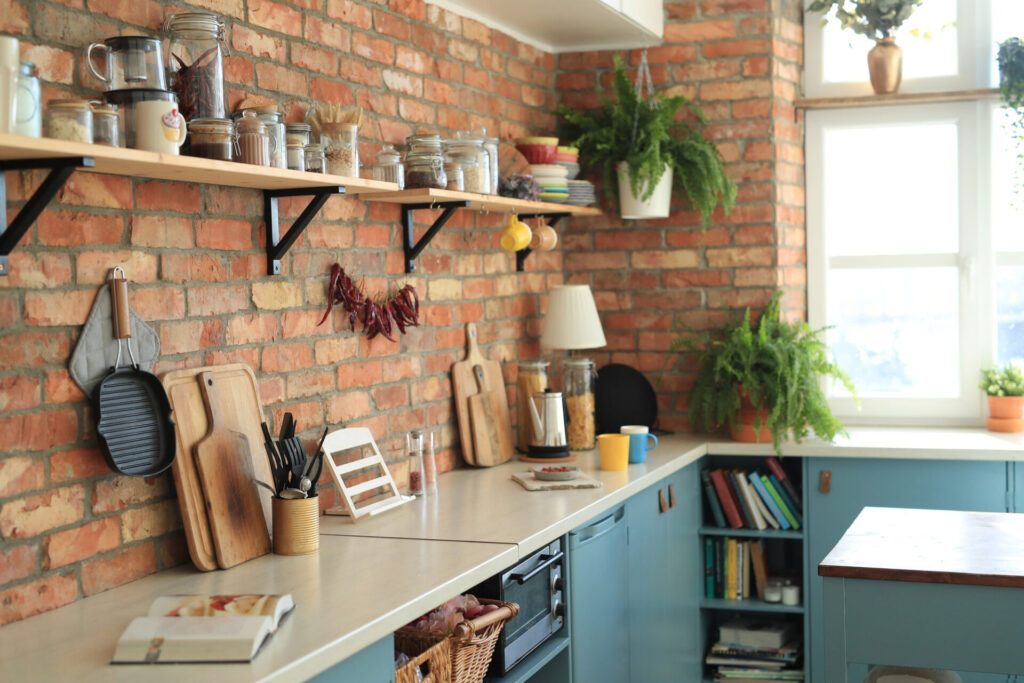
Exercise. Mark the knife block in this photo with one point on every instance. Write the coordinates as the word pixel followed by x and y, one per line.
pixel 296 525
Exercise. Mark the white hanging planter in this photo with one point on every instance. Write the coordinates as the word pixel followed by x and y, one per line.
pixel 632 207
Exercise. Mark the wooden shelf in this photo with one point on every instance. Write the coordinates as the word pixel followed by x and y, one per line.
pixel 750 605
pixel 142 164
pixel 752 533
pixel 481 202
pixel 898 98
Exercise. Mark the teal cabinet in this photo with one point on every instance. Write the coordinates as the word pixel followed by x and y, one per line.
pixel 599 600
pixel 373 664
pixel 855 483
pixel 664 580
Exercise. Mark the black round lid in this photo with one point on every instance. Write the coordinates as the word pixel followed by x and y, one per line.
pixel 144 43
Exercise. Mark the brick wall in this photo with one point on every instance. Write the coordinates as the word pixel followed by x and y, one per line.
pixel 69 528
pixel 740 61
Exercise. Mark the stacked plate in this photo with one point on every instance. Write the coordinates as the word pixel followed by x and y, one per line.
pixel 552 180
pixel 581 193
pixel 569 158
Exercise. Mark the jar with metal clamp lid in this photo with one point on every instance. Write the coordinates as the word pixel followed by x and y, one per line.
pixel 253 140
pixel 195 63
pixel 271 118
pixel 425 169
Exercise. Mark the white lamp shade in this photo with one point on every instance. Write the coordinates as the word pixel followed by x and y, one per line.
pixel 572 321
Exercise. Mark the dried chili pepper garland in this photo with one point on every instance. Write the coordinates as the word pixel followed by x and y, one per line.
pixel 400 309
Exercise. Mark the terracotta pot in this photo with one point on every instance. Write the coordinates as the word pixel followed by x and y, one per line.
pixel 1004 407
pixel 885 64
pixel 746 432
pixel 1005 424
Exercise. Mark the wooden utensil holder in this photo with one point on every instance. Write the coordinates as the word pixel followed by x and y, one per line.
pixel 296 525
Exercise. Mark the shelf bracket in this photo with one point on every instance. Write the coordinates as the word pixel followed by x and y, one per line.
pixel 414 248
pixel 552 219
pixel 278 246
pixel 60 170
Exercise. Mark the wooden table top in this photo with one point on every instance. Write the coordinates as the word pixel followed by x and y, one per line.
pixel 931 546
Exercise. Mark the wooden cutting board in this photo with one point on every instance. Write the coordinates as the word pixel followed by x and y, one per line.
pixel 464 385
pixel 491 436
pixel 191 424
pixel 223 459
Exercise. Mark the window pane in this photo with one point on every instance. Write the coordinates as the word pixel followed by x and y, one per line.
pixel 891 190
pixel 1007 184
pixel 1010 314
pixel 1007 22
pixel 928 39
pixel 896 331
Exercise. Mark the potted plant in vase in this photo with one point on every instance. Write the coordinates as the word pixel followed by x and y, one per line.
pixel 651 147
pixel 878 20
pixel 1011 87
pixel 763 382
pixel 1005 390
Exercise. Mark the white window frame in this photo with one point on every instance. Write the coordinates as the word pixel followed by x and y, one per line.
pixel 974 260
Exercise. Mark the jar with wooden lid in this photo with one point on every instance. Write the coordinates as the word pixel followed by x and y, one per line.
pixel 533 378
pixel 69 120
pixel 316 162
pixel 106 124
pixel 579 399
pixel 341 145
pixel 213 139
pixel 253 140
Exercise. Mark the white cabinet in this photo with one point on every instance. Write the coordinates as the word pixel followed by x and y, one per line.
pixel 569 25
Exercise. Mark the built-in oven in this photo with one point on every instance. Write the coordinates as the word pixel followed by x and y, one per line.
pixel 536 584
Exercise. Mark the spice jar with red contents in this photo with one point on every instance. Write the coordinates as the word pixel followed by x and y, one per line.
pixel 417 474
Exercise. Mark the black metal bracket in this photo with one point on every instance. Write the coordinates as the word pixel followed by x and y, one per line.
pixel 60 170
pixel 552 218
pixel 278 246
pixel 414 248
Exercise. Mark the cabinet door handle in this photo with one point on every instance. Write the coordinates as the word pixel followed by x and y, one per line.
pixel 825 481
pixel 662 505
pixel 671 496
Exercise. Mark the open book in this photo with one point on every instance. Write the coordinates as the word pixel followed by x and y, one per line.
pixel 202 628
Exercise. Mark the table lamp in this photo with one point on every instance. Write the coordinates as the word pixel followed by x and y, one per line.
pixel 572 323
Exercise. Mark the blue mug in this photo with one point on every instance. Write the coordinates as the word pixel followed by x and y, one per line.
pixel 640 441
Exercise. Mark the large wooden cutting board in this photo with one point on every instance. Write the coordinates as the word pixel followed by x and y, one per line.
pixel 464 385
pixel 223 459
pixel 243 415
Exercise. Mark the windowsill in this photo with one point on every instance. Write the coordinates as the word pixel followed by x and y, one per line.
pixel 898 98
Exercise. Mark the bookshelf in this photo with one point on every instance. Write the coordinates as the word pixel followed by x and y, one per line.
pixel 784 550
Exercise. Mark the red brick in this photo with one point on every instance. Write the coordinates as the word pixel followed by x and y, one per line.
pixel 735 48
pixel 374 49
pixel 13 19
pixel 158 303
pixel 161 231
pixel 157 195
pixel 79 543
pixel 217 300
pixel 327 34
pixel 120 492
pixel 109 572
pixel 58 308
pixel 18 392
pixel 98 190
pixel 33 349
pixel 39 596
pixel 700 31
pixel 319 382
pixel 145 13
pixel 52 64
pixel 288 357
pixel 251 329
pixel 193 335
pixel 314 59
pixel 31 516
pixel 740 256
pixel 343 408
pixel 324 90
pixel 403 83
pixel 257 43
pixel 79 463
pixel 20 475
pixel 350 12
pixel 68 229
pixel 150 521
pixel 93 267
pixel 17 563
pixel 412 60
pixel 275 16
pixel 224 235
pixel 359 374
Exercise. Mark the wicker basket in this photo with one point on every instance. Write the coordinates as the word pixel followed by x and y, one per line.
pixel 468 650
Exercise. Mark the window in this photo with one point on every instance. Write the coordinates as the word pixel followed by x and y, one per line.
pixel 916 219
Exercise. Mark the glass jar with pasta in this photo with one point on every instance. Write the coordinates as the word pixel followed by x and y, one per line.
pixel 579 398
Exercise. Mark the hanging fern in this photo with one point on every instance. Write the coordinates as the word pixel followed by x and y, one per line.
pixel 650 139
pixel 779 364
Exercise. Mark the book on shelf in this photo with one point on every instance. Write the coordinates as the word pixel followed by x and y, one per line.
pixel 202 628
pixel 709 492
pixel 734 489
pixel 730 569
pixel 760 569
pixel 765 512
pixel 748 496
pixel 709 567
pixel 779 502
pixel 786 500
pixel 755 479
pixel 732 513
pixel 776 468
pixel 757 633
pixel 732 662
pixel 719 568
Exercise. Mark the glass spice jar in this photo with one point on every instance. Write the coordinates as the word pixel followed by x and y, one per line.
pixel 468 150
pixel 271 118
pixel 414 449
pixel 341 145
pixel 533 378
pixel 316 162
pixel 389 167
pixel 453 170
pixel 491 145
pixel 425 169
pixel 297 134
pixel 195 63
pixel 253 140
pixel 579 399
pixel 29 121
pixel 106 124
pixel 213 139
pixel 296 157
pixel 69 120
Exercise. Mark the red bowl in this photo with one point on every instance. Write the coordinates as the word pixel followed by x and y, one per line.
pixel 563 156
pixel 538 154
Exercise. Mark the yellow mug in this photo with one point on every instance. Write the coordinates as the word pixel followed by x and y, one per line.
pixel 614 451
pixel 516 236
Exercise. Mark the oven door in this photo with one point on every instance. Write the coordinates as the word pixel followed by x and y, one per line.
pixel 536 586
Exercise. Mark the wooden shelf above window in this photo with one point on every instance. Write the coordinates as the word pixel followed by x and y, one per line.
pixel 898 98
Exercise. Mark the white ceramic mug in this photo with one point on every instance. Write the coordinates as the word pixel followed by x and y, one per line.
pixel 159 127
pixel 9 66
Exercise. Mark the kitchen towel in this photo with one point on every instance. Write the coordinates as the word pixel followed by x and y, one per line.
pixel 531 483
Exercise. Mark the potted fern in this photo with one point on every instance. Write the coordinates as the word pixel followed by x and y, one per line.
pixel 763 381
pixel 651 144
pixel 1005 390
pixel 1011 83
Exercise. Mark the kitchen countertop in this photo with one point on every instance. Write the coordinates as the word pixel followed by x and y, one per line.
pixel 372 576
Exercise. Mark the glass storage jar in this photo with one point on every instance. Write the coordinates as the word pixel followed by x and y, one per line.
pixel 195 63
pixel 424 143
pixel 29 120
pixel 297 134
pixel 316 162
pixel 388 167
pixel 69 120
pixel 579 399
pixel 425 169
pixel 491 145
pixel 453 170
pixel 271 118
pixel 341 145
pixel 296 157
pixel 533 378
pixel 253 140
pixel 468 150
pixel 213 139
pixel 414 449
pixel 106 124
